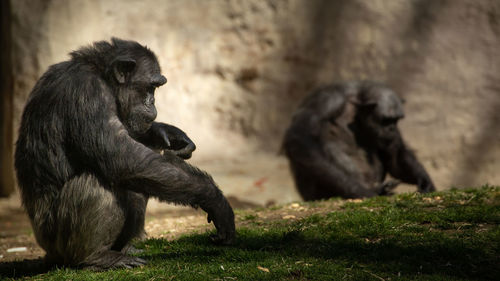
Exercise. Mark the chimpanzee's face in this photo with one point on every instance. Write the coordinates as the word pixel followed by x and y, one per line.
pixel 136 101
pixel 386 126
pixel 380 118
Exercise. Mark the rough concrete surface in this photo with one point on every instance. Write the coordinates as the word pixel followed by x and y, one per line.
pixel 238 69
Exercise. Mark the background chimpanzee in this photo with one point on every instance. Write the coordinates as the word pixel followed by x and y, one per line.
pixel 85 159
pixel 344 139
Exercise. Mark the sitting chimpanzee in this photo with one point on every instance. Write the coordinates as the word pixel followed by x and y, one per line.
pixel 88 158
pixel 344 139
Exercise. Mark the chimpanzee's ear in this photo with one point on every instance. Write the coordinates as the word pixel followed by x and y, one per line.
pixel 122 69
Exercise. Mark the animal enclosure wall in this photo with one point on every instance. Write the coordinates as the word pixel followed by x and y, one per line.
pixel 6 94
pixel 236 70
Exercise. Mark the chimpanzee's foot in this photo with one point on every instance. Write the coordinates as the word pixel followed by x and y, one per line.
pixel 112 259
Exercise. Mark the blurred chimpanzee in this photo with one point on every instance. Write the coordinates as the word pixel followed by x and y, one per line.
pixel 87 158
pixel 344 139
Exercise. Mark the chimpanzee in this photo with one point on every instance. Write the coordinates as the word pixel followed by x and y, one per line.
pixel 89 156
pixel 344 139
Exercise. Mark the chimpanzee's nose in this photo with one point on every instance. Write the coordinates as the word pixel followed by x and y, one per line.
pixel 158 80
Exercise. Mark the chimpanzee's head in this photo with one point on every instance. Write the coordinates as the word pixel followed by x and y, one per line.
pixel 136 74
pixel 378 111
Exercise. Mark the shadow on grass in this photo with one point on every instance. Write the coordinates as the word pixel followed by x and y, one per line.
pixel 444 257
pixel 24 268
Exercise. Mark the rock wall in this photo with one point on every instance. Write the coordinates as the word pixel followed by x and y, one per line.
pixel 6 148
pixel 238 69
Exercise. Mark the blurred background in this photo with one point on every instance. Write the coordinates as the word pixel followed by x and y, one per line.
pixel 238 69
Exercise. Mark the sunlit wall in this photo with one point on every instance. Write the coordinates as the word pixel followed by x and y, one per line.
pixel 237 69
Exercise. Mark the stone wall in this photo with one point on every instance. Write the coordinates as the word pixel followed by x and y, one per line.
pixel 238 69
pixel 6 112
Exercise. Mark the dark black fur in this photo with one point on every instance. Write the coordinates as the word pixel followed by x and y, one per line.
pixel 344 139
pixel 87 158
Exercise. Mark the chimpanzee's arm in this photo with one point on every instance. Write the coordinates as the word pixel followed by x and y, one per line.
pixel 164 136
pixel 101 141
pixel 402 164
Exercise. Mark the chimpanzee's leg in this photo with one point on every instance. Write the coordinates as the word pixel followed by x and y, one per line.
pixel 91 218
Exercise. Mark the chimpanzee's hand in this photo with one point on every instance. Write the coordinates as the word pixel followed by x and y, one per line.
pixel 387 187
pixel 223 218
pixel 426 186
pixel 173 139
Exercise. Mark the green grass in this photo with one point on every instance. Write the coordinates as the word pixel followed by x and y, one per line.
pixel 452 235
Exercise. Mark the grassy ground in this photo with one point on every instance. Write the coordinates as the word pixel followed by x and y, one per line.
pixel 452 235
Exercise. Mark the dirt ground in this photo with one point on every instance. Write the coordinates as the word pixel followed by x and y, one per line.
pixel 248 182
